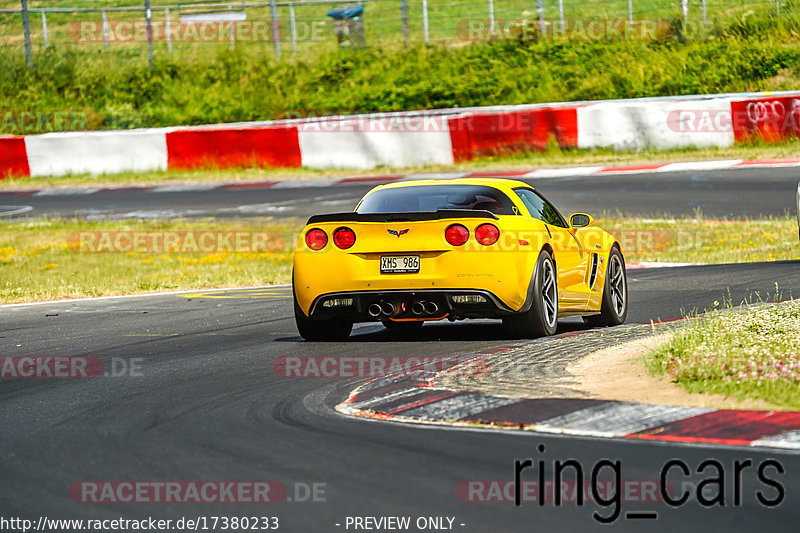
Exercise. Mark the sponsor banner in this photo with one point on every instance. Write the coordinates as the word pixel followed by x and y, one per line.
pixel 770 119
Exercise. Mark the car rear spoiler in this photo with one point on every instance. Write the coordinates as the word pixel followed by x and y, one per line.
pixel 401 217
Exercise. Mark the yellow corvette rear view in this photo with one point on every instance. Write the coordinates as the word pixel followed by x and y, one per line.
pixel 426 250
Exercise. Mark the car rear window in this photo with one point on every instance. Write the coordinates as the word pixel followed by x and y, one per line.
pixel 422 198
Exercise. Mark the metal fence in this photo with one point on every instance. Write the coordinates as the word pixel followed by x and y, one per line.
pixel 131 28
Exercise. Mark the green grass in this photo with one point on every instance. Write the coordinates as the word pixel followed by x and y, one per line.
pixel 697 240
pixel 213 84
pixel 383 19
pixel 40 260
pixel 749 354
pixel 43 260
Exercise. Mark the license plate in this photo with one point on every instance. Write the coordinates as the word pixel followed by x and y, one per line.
pixel 399 264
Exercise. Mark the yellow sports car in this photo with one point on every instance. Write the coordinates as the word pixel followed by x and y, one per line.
pixel 416 251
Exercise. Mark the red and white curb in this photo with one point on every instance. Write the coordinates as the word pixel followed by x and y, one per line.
pixel 416 401
pixel 543 173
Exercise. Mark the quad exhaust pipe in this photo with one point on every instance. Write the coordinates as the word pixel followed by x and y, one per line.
pixel 421 307
pixel 418 308
pixel 381 308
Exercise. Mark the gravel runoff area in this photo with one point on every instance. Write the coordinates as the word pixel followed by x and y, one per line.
pixel 740 358
pixel 540 368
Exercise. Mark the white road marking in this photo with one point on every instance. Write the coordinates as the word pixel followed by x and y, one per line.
pixel 256 209
pixel 187 187
pixel 12 210
pixel 64 191
pixel 562 172
pixel 646 264
pixel 436 176
pixel 299 184
pixel 156 213
pixel 339 202
pixel 698 165
pixel 126 296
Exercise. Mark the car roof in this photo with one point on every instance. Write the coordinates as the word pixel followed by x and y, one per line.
pixel 490 182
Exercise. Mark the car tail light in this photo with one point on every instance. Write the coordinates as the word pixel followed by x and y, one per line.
pixel 316 239
pixel 487 234
pixel 456 234
pixel 344 238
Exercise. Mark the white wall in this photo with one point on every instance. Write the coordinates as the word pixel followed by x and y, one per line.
pixel 369 143
pixel 661 124
pixel 58 154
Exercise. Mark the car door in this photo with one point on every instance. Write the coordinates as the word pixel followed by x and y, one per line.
pixel 572 259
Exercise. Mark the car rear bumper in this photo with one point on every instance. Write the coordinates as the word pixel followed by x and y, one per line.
pixel 399 305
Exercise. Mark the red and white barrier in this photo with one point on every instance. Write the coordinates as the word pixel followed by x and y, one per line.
pixel 96 152
pixel 661 125
pixel 771 119
pixel 412 138
pixel 367 142
pixel 496 133
pixel 13 157
pixel 220 147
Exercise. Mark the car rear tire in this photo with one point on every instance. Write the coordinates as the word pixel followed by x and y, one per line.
pixel 320 330
pixel 542 318
pixel 614 308
pixel 406 325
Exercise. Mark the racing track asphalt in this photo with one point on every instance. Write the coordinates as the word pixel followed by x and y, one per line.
pixel 733 193
pixel 207 406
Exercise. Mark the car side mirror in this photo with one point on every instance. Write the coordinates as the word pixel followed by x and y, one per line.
pixel 580 220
